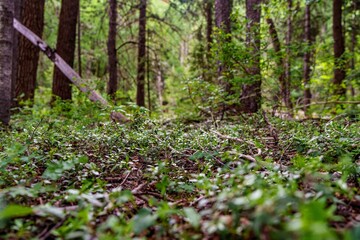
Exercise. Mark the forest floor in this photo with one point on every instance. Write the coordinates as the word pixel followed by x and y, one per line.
pixel 76 175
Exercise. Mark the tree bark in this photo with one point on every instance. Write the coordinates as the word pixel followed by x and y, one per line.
pixel 65 47
pixel 209 24
pixel 286 90
pixel 79 43
pixel 307 57
pixel 278 58
pixel 17 15
pixel 353 42
pixel 112 84
pixel 250 101
pixel 222 15
pixel 223 10
pixel 140 93
pixel 339 49
pixel 6 53
pixel 32 16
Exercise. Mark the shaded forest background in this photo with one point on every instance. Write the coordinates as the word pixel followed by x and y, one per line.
pixel 207 56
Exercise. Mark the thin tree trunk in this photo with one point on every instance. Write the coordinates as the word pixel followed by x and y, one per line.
pixel 286 90
pixel 112 84
pixel 223 10
pixel 148 67
pixel 339 49
pixel 307 58
pixel 140 93
pixel 353 42
pixel 79 43
pixel 279 58
pixel 65 47
pixel 6 53
pixel 32 16
pixel 208 8
pixel 250 101
pixel 209 24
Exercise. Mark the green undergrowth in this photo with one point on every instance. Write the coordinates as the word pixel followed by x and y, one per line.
pixel 71 173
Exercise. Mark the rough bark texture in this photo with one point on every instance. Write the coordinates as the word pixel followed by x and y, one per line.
pixel 32 16
pixel 17 15
pixel 286 90
pixel 209 24
pixel 65 46
pixel 339 48
pixel 222 14
pixel 112 84
pixel 307 58
pixel 353 42
pixel 140 93
pixel 6 53
pixel 79 43
pixel 251 93
pixel 223 10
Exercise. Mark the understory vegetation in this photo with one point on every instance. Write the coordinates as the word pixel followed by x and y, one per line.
pixel 71 173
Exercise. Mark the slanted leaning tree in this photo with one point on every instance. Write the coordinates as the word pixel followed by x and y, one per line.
pixel 250 99
pixel 65 46
pixel 6 54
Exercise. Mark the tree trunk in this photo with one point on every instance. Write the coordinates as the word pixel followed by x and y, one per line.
pixel 223 10
pixel 65 47
pixel 6 53
pixel 251 93
pixel 208 12
pixel 32 16
pixel 353 42
pixel 79 43
pixel 307 58
pixel 140 93
pixel 222 15
pixel 209 24
pixel 112 84
pixel 278 58
pixel 17 15
pixel 339 49
pixel 286 90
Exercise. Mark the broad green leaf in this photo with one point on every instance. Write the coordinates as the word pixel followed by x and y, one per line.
pixel 193 217
pixel 14 211
pixel 143 220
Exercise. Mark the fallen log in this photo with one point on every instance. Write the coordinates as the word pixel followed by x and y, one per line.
pixel 67 70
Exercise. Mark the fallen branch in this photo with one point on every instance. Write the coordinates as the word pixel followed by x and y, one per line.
pixel 141 186
pixel 66 69
pixel 244 156
pixel 126 177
